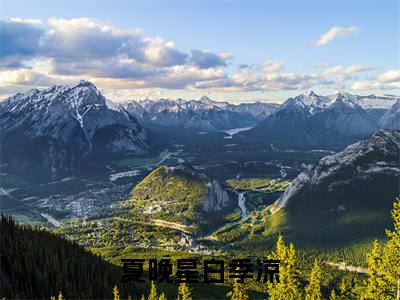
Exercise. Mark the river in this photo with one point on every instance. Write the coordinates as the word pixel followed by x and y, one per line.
pixel 241 201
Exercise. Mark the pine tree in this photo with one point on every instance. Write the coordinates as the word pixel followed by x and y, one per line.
pixel 313 290
pixel 60 296
pixel 162 296
pixel 153 292
pixel 391 257
pixel 288 287
pixel 375 284
pixel 333 296
pixel 116 293
pixel 238 292
pixel 281 248
pixel 143 297
pixel 184 292
pixel 343 289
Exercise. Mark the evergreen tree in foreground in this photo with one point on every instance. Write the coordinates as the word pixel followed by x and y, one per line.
pixel 313 290
pixel 333 296
pixel 238 292
pixel 391 256
pixel 60 296
pixel 116 293
pixel 184 292
pixel 288 287
pixel 162 296
pixel 37 264
pixel 384 264
pixel 375 283
pixel 153 292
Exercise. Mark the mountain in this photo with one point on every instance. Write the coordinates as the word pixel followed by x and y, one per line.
pixel 180 195
pixel 313 121
pixel 374 105
pixel 369 102
pixel 391 119
pixel 259 110
pixel 344 117
pixel 351 191
pixel 51 133
pixel 202 114
pixel 312 102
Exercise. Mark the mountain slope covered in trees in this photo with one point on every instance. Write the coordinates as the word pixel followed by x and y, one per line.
pixel 38 264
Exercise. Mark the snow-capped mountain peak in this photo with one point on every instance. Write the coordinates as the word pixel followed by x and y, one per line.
pixel 78 119
pixel 312 102
pixel 205 99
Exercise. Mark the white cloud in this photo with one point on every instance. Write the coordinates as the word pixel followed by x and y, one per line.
pixel 22 77
pixel 390 76
pixel 91 48
pixel 343 73
pixel 25 21
pixel 271 66
pixel 336 32
pixel 365 85
pixel 62 51
pixel 387 80
pixel 246 80
pixel 324 64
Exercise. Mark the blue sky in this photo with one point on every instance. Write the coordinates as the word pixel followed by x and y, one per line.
pixel 243 50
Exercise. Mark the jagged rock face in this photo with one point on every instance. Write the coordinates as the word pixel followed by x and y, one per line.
pixel 312 102
pixel 67 124
pixel 217 197
pixel 370 167
pixel 181 195
pixel 202 114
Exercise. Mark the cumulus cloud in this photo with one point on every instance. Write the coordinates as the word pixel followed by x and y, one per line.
pixel 335 33
pixel 344 73
pixel 390 76
pixel 365 85
pixel 19 40
pixel 87 39
pixel 22 77
pixel 271 66
pixel 94 49
pixel 246 80
pixel 206 59
pixel 387 80
pixel 61 51
pixel 26 21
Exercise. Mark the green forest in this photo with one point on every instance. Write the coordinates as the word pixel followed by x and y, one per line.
pixel 39 264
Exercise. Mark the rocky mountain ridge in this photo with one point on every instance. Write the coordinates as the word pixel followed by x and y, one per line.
pixel 374 159
pixel 56 129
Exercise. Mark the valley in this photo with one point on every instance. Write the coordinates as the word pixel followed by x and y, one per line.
pixel 205 178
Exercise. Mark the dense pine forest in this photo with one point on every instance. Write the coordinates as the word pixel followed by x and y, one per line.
pixel 38 264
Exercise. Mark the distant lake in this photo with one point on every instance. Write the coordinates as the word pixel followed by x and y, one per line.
pixel 233 131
